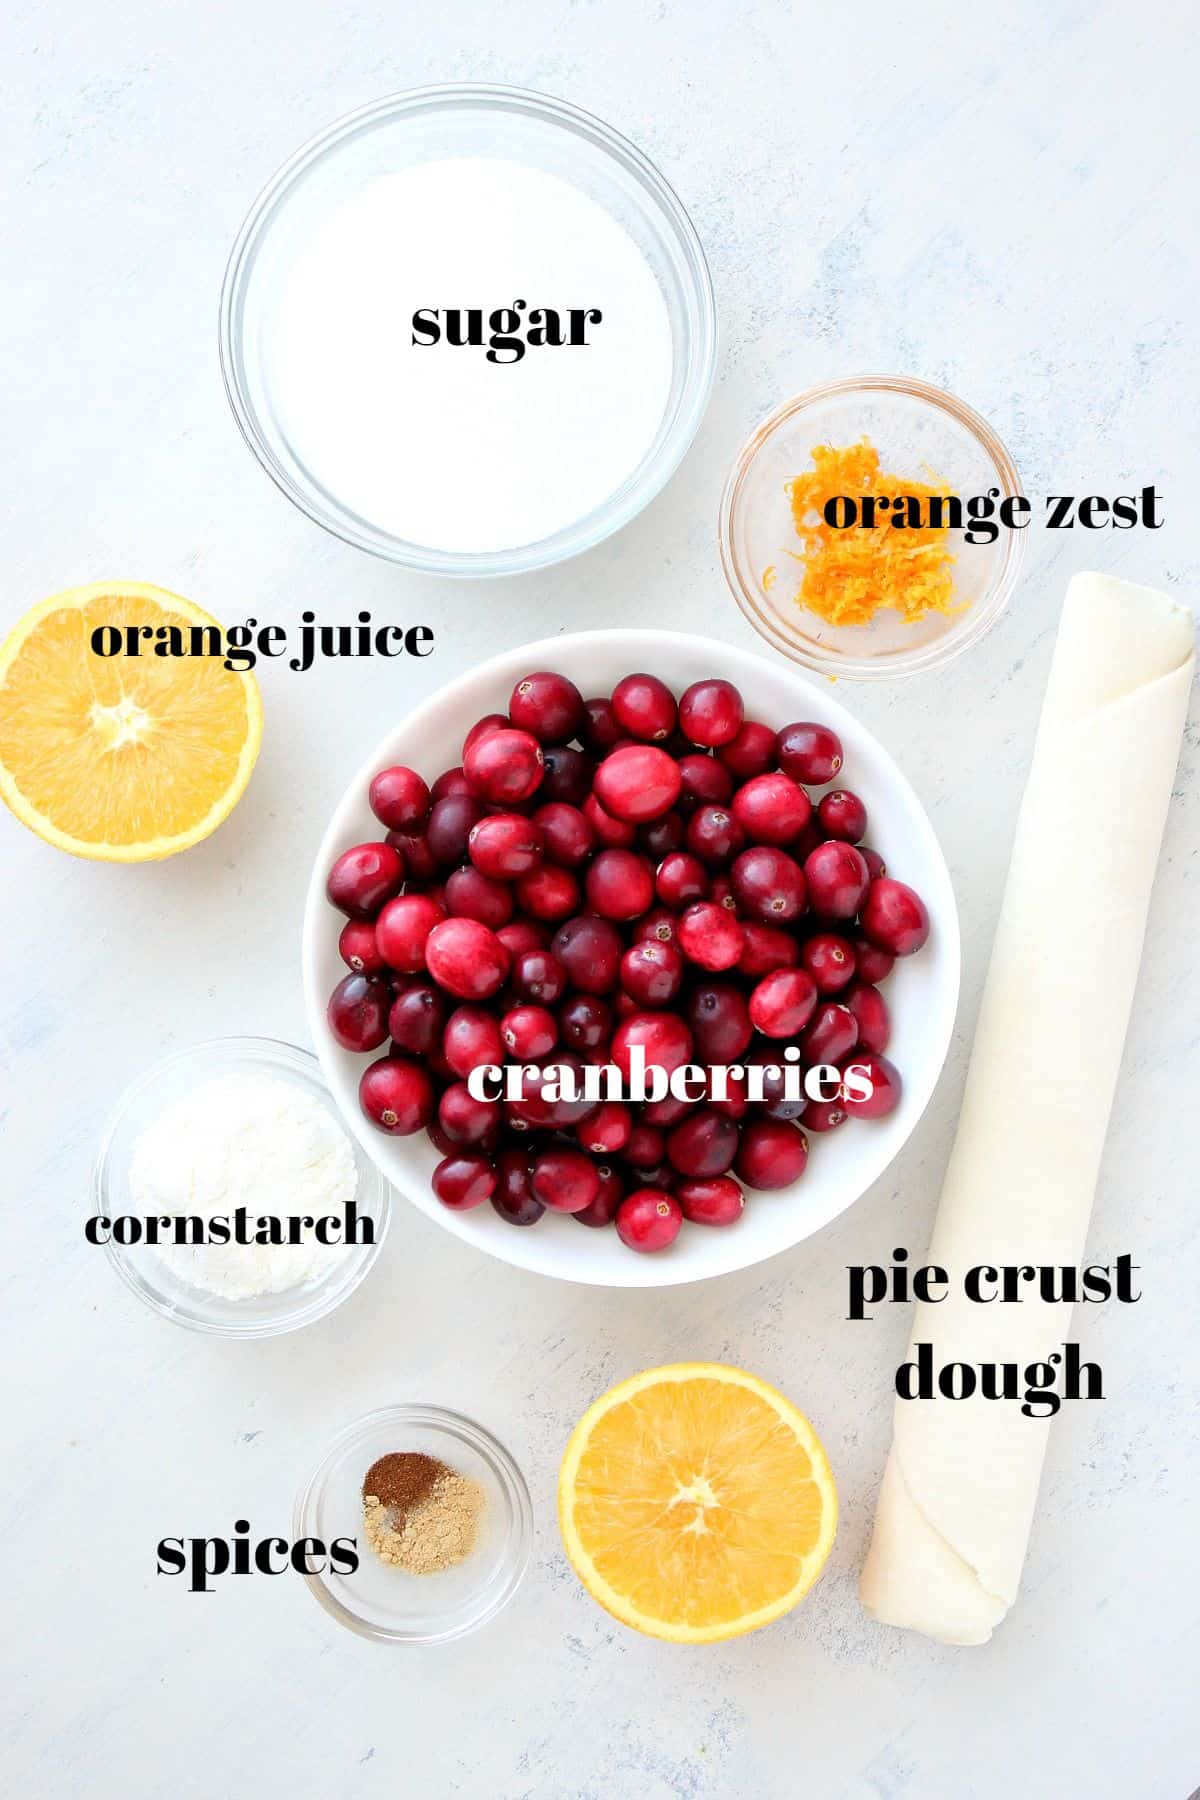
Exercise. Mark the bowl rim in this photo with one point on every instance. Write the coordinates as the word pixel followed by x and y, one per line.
pixel 740 664
pixel 275 1054
pixel 509 1478
pixel 980 617
pixel 641 486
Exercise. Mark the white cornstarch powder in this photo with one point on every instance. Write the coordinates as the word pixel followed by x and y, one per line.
pixel 253 1141
pixel 432 440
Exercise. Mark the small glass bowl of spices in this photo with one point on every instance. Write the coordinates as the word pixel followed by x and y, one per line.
pixel 848 533
pixel 441 1518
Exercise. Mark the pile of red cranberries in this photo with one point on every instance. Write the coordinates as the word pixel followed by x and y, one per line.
pixel 610 872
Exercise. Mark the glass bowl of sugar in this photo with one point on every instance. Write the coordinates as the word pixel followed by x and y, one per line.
pixel 236 1123
pixel 470 329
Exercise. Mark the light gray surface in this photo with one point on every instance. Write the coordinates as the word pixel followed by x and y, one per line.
pixel 998 201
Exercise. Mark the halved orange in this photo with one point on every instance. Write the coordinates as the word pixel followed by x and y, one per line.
pixel 696 1502
pixel 121 758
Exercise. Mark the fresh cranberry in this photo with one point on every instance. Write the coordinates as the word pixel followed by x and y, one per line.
pixel 504 846
pixel 872 1016
pixel 450 784
pixel 871 964
pixel 617 834
pixel 419 865
pixel 358 1012
pixel 772 1154
pixel 842 814
pixel 461 1182
pixel 504 767
pixel 514 1197
pixel 471 1040
pixel 645 1147
pixel 528 1032
pixel 466 1120
pixel 417 1019
pixel 768 884
pixel 771 809
pixel 603 1209
pixel 659 923
pixel 729 1093
pixel 644 707
pixel 714 835
pixel 564 1180
pixel 637 783
pixel 567 775
pixel 358 948
pixel 837 879
pixel 608 1129
pixel 716 1201
pixel 483 728
pixel 537 975
pixel 710 935
pixel 810 753
pixel 783 1095
pixel 873 860
pixel 711 713
pixel 521 935
pixel 824 1115
pixel 680 879
pixel 567 834
pixel 466 959
pixel 399 798
pixel 600 728
pixel 831 1034
pixel 402 930
pixel 783 1003
pixel 396 1095
pixel 666 1112
pixel 829 959
pixel 703 782
pixel 549 893
pixel 663 1037
pixel 886 1087
pixel 648 1219
pixel 543 1101
pixel 548 705
pixel 585 1021
pixel 703 1145
pixel 720 1021
pixel 620 885
pixel 590 951
pixel 449 829
pixel 663 837
pixel 470 895
pixel 363 878
pixel 766 947
pixel 894 917
pixel 751 752
pixel 652 973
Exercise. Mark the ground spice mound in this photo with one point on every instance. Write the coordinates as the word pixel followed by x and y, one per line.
pixel 849 575
pixel 419 1514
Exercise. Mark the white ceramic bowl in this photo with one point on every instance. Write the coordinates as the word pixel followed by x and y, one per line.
pixel 922 992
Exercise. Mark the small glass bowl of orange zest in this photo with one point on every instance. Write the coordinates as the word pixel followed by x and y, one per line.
pixel 891 599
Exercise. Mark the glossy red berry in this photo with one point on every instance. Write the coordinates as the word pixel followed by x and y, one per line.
pixel 645 707
pixel 810 753
pixel 504 767
pixel 885 1083
pixel 620 885
pixel 718 1201
pixel 357 1012
pixel 772 809
pixel 773 1153
pixel 564 1180
pixel 547 705
pixel 363 878
pixel 783 1003
pixel 837 879
pixel 751 752
pixel 829 959
pixel 648 1220
pixel 710 935
pixel 768 885
pixel 872 1016
pixel 396 1095
pixel 637 782
pixel 463 1181
pixel 466 958
pixel 399 798
pixel 894 917
pixel 402 930
pixel 358 948
pixel 505 846
pixel 842 814
pixel 711 713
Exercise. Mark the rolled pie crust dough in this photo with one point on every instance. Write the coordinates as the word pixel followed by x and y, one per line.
pixel 961 1480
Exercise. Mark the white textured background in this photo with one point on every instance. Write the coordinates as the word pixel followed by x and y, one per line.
pixel 1001 200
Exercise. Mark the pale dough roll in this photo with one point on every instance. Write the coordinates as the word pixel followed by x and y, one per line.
pixel 961 1481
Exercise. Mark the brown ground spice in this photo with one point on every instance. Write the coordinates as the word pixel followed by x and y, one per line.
pixel 419 1514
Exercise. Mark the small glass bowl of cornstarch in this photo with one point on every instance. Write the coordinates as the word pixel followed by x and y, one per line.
pixel 229 1195
pixel 470 329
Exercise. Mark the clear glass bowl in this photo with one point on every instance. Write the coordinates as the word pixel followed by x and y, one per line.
pixel 383 1602
pixel 457 120
pixel 152 1279
pixel 920 432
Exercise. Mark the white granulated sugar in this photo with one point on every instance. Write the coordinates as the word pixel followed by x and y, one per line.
pixel 254 1141
pixel 436 444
